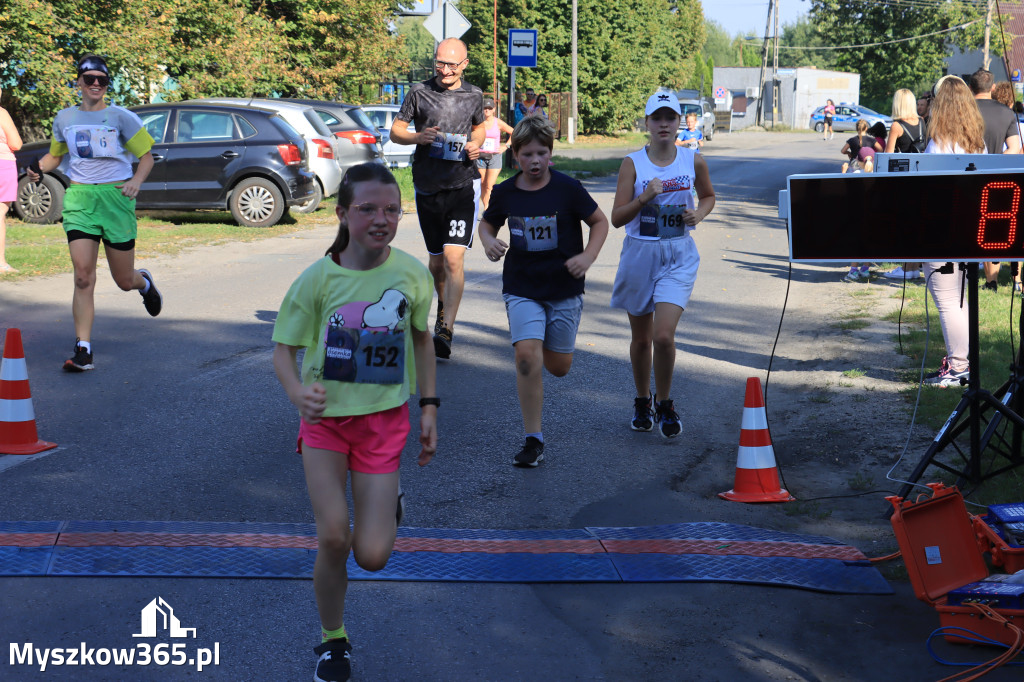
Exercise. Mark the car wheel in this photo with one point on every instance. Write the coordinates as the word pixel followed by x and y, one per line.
pixel 257 202
pixel 819 127
pixel 313 202
pixel 39 202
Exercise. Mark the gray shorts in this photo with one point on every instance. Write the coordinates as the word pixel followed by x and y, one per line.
pixel 655 271
pixel 489 161
pixel 553 322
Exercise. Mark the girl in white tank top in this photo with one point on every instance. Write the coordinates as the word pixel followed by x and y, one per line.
pixel 654 200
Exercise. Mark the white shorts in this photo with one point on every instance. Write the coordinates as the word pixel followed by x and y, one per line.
pixel 655 271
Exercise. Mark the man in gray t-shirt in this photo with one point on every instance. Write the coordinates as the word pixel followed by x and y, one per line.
pixel 448 117
pixel 1001 137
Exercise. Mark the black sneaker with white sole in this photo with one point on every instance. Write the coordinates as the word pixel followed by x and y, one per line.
pixel 643 414
pixel 531 455
pixel 152 298
pixel 669 424
pixel 81 361
pixel 335 662
pixel 443 343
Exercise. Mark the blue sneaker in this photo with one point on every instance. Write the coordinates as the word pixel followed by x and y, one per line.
pixel 667 420
pixel 643 415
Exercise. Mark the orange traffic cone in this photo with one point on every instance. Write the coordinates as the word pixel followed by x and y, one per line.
pixel 17 420
pixel 757 478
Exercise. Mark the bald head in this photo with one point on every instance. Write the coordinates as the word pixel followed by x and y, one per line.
pixel 451 50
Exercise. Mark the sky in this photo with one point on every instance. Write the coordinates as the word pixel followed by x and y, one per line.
pixel 738 16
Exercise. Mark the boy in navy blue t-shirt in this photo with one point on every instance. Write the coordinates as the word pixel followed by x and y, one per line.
pixel 545 263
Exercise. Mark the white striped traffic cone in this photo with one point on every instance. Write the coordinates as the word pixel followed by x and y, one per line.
pixel 17 419
pixel 757 477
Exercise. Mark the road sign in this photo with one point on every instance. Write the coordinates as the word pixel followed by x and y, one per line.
pixel 1015 75
pixel 522 47
pixel 415 7
pixel 446 22
pixel 719 93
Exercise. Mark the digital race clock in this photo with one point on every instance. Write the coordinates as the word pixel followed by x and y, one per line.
pixel 942 216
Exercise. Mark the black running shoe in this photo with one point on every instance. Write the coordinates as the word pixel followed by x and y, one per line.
pixel 668 421
pixel 439 322
pixel 81 361
pixel 643 415
pixel 335 662
pixel 443 343
pixel 531 455
pixel 152 298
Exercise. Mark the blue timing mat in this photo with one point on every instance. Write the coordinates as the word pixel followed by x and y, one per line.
pixel 691 552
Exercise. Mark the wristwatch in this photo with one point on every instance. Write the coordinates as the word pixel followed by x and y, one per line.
pixel 436 402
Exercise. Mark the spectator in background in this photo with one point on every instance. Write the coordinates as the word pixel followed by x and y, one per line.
pixel 1002 92
pixel 955 127
pixel 524 108
pixel 861 141
pixel 540 107
pixel 10 142
pixel 1001 136
pixel 908 134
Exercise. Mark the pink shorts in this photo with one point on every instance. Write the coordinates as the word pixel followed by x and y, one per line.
pixel 8 181
pixel 372 442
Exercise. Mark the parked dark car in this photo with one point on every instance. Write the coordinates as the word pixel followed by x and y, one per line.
pixel 349 123
pixel 244 159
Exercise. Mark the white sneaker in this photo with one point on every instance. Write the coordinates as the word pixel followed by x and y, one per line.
pixel 896 273
pixel 855 276
pixel 913 274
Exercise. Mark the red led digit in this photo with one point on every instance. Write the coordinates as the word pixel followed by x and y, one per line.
pixel 1010 215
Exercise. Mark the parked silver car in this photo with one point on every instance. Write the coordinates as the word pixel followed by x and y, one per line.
pixel 322 147
pixel 383 115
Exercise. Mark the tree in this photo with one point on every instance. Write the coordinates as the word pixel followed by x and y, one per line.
pixel 625 50
pixel 720 46
pixel 803 34
pixel 914 64
pixel 315 48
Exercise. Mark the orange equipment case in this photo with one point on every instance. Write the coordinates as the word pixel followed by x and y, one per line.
pixel 1010 557
pixel 941 551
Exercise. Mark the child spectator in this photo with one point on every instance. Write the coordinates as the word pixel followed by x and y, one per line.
pixel 658 265
pixel 543 277
pixel 691 137
pixel 360 313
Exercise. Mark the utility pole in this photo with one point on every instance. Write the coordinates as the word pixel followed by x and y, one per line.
pixel 775 70
pixel 759 114
pixel 574 113
pixel 986 58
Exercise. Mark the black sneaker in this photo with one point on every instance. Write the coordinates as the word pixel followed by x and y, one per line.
pixel 531 455
pixel 643 415
pixel 667 419
pixel 152 298
pixel 439 322
pixel 335 663
pixel 400 511
pixel 443 343
pixel 992 286
pixel 81 361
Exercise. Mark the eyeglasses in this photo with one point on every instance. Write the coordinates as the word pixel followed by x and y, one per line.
pixel 369 211
pixel 102 81
pixel 450 66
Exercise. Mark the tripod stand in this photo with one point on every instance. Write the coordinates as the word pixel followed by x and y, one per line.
pixel 971 413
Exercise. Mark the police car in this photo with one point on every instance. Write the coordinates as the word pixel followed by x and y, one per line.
pixel 846 117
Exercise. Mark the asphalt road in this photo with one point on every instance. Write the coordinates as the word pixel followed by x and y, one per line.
pixel 183 420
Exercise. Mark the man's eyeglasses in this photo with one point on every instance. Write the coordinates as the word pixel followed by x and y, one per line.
pixel 369 211
pixel 102 81
pixel 450 66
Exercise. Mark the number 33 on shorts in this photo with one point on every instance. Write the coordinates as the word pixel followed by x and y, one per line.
pixel 457 228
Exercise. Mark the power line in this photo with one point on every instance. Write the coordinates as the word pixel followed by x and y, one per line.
pixel 886 42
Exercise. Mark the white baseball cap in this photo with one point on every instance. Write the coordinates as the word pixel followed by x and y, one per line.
pixel 662 99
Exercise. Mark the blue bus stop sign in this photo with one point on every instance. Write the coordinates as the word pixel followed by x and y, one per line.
pixel 522 47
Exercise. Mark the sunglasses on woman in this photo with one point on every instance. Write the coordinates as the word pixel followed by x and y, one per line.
pixel 102 81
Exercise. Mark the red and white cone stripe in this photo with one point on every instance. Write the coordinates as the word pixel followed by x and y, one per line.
pixel 18 434
pixel 757 476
